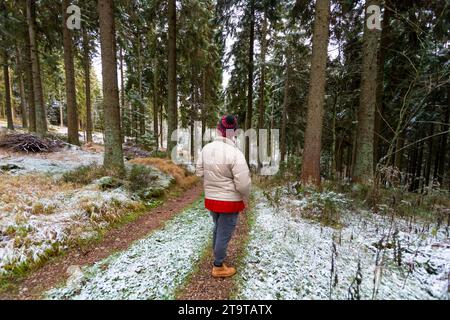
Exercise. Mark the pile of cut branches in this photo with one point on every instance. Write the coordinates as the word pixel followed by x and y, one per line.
pixel 132 150
pixel 27 142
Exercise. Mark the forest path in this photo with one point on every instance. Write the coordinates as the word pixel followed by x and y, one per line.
pixel 116 240
pixel 201 285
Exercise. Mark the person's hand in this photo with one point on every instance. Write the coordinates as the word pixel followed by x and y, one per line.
pixel 245 203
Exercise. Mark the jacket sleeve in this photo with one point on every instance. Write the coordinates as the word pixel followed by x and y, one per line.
pixel 241 175
pixel 199 166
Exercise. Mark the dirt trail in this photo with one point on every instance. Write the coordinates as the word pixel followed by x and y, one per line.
pixel 115 240
pixel 201 285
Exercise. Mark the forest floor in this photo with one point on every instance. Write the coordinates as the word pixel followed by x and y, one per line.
pixel 63 240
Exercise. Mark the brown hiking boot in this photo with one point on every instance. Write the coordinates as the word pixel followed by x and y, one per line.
pixel 223 271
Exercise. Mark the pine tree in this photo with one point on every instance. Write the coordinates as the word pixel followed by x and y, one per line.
pixel 111 107
pixel 364 170
pixel 69 69
pixel 316 95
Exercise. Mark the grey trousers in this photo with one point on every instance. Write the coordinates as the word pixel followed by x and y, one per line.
pixel 224 225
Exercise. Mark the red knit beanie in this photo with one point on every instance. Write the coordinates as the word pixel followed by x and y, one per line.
pixel 228 122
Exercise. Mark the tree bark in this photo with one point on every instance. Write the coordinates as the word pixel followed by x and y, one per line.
pixel 8 107
pixel 69 69
pixel 113 140
pixel 155 100
pixel 141 93
pixel 429 157
pixel 379 107
pixel 87 85
pixel 262 83
pixel 316 96
pixel 172 114
pixel 283 112
pixel 444 145
pixel 249 111
pixel 123 108
pixel 41 118
pixel 29 84
pixel 364 169
pixel 23 98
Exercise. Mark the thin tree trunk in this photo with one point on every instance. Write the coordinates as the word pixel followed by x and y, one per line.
pixel 87 85
pixel 172 114
pixel 398 159
pixel 430 157
pixel 155 100
pixel 316 96
pixel 111 107
pixel 283 112
pixel 71 99
pixel 141 93
pixel 262 83
pixel 364 169
pixel 41 118
pixel 161 133
pixel 249 111
pixel 444 145
pixel 23 98
pixel 29 84
pixel 8 107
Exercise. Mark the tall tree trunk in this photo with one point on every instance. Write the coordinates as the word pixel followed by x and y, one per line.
pixel 363 170
pixel 23 98
pixel 444 145
pixel 8 107
pixel 87 85
pixel 124 114
pixel 141 93
pixel 111 107
pixel 283 112
pixel 262 83
pixel 430 157
pixel 418 171
pixel 69 69
pixel 316 95
pixel 29 83
pixel 205 104
pixel 172 114
pixel 249 111
pixel 155 100
pixel 41 118
pixel 6 78
pixel 161 135
pixel 379 107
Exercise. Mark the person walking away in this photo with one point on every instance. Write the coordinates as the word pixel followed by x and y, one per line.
pixel 227 186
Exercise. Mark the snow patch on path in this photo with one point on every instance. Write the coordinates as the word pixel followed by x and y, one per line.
pixel 152 268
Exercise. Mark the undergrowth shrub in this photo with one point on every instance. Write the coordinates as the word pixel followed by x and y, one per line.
pixel 182 177
pixel 87 174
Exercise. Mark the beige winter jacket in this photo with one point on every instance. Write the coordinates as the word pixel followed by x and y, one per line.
pixel 225 171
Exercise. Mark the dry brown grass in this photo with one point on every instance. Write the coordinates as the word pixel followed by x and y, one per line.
pixel 93 147
pixel 33 186
pixel 183 178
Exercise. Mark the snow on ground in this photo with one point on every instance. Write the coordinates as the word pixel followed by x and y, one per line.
pixel 52 163
pixel 152 268
pixel 290 257
pixel 41 215
pixel 77 214
pixel 97 137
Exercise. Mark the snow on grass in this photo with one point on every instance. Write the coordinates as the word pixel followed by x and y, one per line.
pixel 53 163
pixel 32 231
pixel 152 268
pixel 290 257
